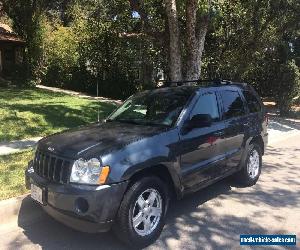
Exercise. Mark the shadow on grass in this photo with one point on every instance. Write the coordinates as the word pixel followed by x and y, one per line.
pixel 56 116
pixel 28 94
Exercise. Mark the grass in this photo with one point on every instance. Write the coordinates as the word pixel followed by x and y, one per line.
pixel 26 113
pixel 12 179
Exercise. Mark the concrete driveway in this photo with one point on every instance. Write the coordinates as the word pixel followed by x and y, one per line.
pixel 209 219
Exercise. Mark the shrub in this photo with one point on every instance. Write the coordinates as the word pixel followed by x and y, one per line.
pixel 287 86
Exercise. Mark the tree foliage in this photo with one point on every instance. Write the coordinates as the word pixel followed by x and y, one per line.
pixel 26 17
pixel 123 45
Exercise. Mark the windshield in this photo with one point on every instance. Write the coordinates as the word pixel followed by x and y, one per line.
pixel 152 108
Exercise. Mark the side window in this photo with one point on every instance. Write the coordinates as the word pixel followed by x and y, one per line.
pixel 233 104
pixel 207 104
pixel 252 102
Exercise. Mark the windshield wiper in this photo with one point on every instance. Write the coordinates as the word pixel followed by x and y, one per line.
pixel 144 123
pixel 127 121
pixel 155 124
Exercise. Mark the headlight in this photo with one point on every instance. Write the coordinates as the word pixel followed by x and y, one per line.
pixel 89 172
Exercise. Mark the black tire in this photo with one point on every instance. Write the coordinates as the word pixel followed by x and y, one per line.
pixel 123 227
pixel 243 176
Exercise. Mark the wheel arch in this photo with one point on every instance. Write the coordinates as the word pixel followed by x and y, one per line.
pixel 258 140
pixel 162 172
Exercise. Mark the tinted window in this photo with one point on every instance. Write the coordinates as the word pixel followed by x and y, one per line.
pixel 158 107
pixel 252 102
pixel 207 104
pixel 233 104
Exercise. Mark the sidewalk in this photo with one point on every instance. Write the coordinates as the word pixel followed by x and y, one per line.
pixel 282 128
pixel 7 148
pixel 80 94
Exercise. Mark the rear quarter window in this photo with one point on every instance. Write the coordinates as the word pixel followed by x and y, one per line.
pixel 252 102
pixel 232 103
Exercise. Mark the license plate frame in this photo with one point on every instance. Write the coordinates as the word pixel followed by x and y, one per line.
pixel 37 194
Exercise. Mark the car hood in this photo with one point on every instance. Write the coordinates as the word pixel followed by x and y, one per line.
pixel 96 139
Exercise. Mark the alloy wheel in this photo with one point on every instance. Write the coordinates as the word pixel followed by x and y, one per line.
pixel 253 164
pixel 147 212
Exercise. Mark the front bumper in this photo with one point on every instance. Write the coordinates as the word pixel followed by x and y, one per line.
pixel 82 207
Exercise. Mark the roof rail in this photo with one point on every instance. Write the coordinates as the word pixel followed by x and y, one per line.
pixel 225 82
pixel 206 82
pixel 180 83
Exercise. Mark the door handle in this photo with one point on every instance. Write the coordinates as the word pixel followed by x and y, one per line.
pixel 219 133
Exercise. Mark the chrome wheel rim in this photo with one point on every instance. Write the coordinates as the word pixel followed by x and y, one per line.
pixel 253 164
pixel 147 212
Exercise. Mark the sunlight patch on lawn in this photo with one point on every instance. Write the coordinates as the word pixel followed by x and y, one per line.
pixel 12 174
pixel 26 113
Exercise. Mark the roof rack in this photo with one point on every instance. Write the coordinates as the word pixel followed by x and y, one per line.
pixel 197 82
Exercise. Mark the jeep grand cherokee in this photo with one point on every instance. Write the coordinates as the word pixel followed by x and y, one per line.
pixel 122 172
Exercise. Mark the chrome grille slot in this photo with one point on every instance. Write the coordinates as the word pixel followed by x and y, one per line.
pixel 51 167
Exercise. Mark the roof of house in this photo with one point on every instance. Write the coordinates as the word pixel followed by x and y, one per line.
pixel 7 34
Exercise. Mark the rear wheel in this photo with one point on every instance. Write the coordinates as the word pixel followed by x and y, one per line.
pixel 251 170
pixel 141 216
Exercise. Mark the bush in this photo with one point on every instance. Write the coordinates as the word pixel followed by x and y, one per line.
pixel 287 86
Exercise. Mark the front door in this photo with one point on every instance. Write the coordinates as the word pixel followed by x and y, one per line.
pixel 202 155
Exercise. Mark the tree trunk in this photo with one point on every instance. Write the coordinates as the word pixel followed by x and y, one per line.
pixel 174 45
pixel 192 55
pixel 195 38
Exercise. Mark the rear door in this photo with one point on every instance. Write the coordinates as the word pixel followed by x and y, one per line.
pixel 202 154
pixel 256 116
pixel 235 118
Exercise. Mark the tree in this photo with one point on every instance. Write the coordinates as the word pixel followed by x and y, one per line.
pixel 242 40
pixel 175 64
pixel 26 16
pixel 256 42
pixel 287 84
pixel 197 22
pixel 190 25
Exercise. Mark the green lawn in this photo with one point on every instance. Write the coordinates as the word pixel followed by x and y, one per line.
pixel 12 180
pixel 26 113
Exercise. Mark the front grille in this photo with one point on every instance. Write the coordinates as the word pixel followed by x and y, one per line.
pixel 51 167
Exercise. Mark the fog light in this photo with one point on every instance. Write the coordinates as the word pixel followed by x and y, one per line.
pixel 81 206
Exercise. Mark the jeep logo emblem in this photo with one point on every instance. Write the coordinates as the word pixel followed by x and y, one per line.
pixel 51 149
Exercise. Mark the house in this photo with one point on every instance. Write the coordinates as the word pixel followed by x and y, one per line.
pixel 11 51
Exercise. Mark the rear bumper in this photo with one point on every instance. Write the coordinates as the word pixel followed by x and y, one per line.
pixel 82 207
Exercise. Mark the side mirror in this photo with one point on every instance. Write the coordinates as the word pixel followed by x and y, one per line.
pixel 200 121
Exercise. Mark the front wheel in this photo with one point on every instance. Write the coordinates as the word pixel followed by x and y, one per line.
pixel 141 216
pixel 251 170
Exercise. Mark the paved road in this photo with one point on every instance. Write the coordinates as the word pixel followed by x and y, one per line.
pixel 209 219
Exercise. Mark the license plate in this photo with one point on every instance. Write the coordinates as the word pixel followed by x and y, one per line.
pixel 37 193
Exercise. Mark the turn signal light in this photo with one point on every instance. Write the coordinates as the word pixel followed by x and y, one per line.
pixel 103 175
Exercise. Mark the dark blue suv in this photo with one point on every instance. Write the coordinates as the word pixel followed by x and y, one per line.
pixel 122 172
